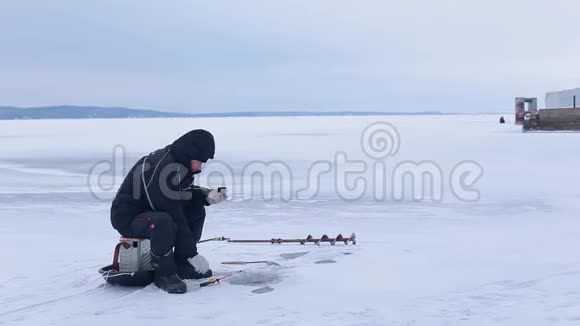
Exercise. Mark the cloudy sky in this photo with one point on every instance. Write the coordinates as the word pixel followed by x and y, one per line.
pixel 315 55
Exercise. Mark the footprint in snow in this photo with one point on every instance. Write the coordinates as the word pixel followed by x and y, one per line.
pixel 326 261
pixel 294 255
pixel 264 289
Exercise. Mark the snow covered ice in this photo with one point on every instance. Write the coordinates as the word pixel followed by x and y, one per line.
pixel 508 257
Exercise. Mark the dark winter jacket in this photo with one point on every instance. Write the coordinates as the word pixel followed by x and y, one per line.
pixel 162 182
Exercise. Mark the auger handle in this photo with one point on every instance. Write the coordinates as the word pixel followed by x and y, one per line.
pixel 214 239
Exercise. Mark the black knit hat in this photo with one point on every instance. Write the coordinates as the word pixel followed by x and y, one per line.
pixel 197 145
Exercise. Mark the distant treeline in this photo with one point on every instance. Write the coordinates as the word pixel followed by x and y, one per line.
pixel 88 112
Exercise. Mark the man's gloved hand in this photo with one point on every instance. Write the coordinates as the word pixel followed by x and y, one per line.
pixel 200 264
pixel 193 268
pixel 215 196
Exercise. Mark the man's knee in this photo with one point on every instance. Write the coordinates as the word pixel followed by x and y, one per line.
pixel 161 230
pixel 161 222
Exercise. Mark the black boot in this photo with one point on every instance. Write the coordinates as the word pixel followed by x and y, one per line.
pixel 187 272
pixel 165 274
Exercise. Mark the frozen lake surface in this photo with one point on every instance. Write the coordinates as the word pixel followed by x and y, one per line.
pixel 491 238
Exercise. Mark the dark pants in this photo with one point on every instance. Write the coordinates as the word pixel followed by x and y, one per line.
pixel 196 220
pixel 160 228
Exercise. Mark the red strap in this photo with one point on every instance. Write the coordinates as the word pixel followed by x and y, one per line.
pixel 116 256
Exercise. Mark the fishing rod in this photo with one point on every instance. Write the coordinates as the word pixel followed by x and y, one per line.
pixel 267 262
pixel 214 280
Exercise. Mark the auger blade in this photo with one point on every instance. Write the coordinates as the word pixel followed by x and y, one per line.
pixel 308 239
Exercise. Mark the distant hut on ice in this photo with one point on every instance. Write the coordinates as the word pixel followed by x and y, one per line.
pixel 561 112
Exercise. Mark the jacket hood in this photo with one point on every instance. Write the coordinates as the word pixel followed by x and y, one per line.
pixel 197 145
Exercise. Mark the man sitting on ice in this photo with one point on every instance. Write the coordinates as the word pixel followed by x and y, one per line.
pixel 157 201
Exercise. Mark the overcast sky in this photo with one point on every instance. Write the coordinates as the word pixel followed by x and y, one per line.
pixel 315 55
